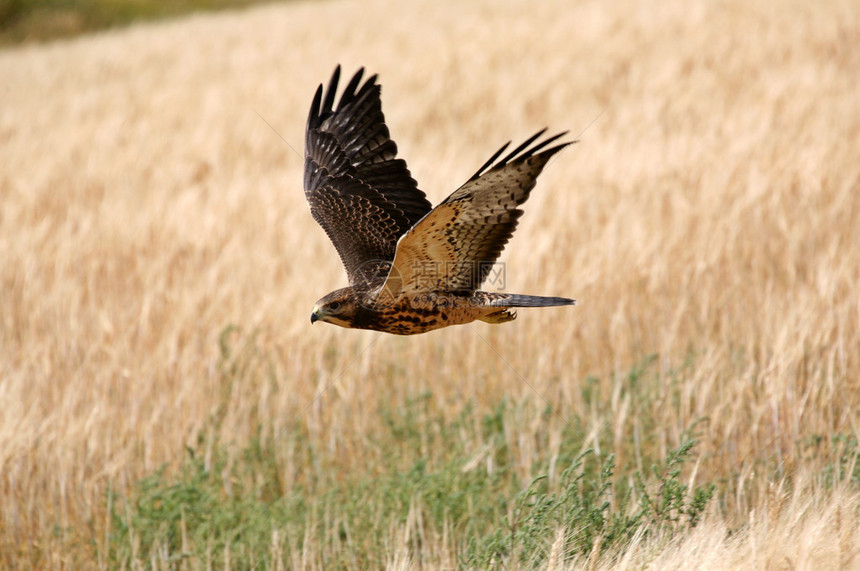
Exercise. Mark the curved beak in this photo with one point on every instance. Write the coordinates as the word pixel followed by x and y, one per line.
pixel 315 314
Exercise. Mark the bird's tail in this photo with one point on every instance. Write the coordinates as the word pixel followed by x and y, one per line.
pixel 519 300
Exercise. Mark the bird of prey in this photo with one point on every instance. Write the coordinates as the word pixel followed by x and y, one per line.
pixel 412 268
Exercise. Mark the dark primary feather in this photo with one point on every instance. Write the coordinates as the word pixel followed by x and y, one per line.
pixel 519 149
pixel 358 191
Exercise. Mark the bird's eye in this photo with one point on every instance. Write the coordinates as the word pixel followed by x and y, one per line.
pixel 334 306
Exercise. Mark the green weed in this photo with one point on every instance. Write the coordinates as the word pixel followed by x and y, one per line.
pixel 228 502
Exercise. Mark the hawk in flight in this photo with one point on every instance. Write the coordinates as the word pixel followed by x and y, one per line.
pixel 412 268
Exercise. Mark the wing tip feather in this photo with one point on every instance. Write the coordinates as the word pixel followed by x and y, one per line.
pixel 523 151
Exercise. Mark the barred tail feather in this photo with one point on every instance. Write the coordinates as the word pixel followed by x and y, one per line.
pixel 519 300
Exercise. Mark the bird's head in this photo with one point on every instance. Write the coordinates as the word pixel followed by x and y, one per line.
pixel 338 307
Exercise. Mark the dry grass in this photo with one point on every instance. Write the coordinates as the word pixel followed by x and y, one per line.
pixel 708 217
pixel 807 531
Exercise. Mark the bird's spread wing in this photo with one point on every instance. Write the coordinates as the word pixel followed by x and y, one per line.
pixel 454 247
pixel 358 191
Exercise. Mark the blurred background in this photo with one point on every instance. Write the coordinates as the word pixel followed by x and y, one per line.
pixel 42 20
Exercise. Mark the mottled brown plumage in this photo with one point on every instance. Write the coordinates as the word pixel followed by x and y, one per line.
pixel 358 191
pixel 411 268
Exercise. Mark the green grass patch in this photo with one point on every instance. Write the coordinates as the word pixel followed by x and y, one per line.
pixel 494 518
pixel 225 504
pixel 40 20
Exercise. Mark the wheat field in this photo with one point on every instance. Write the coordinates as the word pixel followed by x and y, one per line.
pixel 159 265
